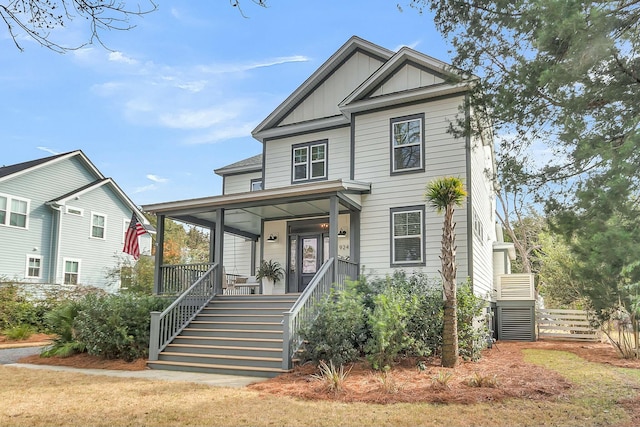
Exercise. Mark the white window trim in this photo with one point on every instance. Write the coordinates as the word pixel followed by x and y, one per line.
pixel 420 119
pixel 68 210
pixel 64 268
pixel 256 181
pixel 8 214
pixel 406 210
pixel 104 234
pixel 309 162
pixel 26 271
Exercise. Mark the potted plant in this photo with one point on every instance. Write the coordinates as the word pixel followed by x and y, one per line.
pixel 271 271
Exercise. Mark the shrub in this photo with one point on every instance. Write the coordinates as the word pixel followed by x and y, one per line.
pixel 387 327
pixel 19 332
pixel 116 326
pixel 15 308
pixel 338 333
pixel 472 327
pixel 60 320
pixel 384 319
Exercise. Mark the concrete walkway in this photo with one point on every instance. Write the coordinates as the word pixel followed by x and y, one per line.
pixel 8 357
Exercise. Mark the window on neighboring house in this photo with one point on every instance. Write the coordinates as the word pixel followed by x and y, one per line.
pixel 71 271
pixel 74 211
pixel 256 184
pixel 407 144
pixel 13 211
pixel 34 266
pixel 309 162
pixel 98 225
pixel 407 235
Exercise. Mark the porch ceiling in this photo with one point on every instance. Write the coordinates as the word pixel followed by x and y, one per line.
pixel 244 212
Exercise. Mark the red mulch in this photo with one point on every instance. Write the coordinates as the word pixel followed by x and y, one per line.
pixel 503 364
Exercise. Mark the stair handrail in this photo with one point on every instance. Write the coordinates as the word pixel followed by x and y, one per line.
pixel 167 325
pixel 304 310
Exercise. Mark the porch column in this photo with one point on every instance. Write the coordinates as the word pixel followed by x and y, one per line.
pixel 212 243
pixel 157 271
pixel 354 236
pixel 333 234
pixel 219 245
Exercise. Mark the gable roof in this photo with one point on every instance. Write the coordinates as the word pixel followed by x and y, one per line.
pixel 353 45
pixel 12 171
pixel 443 80
pixel 249 164
pixel 382 78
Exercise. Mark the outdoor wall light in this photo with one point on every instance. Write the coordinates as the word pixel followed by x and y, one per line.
pixel 272 238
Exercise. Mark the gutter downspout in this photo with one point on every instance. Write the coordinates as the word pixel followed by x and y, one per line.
pixel 54 244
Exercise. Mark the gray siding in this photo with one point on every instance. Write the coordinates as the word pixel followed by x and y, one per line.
pixel 39 186
pixel 237 255
pixel 278 158
pixel 483 200
pixel 445 155
pixel 239 183
pixel 95 255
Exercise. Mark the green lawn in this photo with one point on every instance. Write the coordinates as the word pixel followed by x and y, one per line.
pixel 46 398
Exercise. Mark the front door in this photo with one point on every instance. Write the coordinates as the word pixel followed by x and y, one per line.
pixel 309 258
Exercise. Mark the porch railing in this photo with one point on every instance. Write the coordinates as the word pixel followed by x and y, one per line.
pixel 305 310
pixel 176 278
pixel 167 325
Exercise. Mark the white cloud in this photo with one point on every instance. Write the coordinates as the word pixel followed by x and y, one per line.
pixel 120 57
pixel 48 150
pixel 198 119
pixel 156 178
pixel 145 188
pixel 219 134
pixel 239 67
pixel 411 45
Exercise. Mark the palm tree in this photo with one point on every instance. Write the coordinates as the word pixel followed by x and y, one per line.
pixel 444 194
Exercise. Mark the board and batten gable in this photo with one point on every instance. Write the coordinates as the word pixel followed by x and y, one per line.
pixel 36 186
pixel 97 257
pixel 278 156
pixel 444 156
pixel 324 100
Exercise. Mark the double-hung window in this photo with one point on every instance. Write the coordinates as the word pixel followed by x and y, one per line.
pixel 34 266
pixel 407 144
pixel 309 161
pixel 407 236
pixel 71 271
pixel 13 211
pixel 98 225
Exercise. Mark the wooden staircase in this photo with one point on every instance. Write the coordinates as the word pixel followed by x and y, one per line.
pixel 233 335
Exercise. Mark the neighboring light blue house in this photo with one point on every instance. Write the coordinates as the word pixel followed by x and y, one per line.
pixel 62 222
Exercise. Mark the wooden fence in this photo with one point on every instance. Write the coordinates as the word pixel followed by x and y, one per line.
pixel 565 324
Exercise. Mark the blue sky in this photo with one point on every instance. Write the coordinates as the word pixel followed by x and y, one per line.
pixel 178 96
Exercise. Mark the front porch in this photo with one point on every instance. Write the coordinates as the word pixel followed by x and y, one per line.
pixel 299 227
pixel 313 231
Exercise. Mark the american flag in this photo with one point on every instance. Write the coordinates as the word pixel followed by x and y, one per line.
pixel 134 230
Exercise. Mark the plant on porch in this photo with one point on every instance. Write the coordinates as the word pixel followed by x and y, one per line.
pixel 270 270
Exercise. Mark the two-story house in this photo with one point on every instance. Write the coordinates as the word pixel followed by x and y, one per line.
pixel 338 189
pixel 63 223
